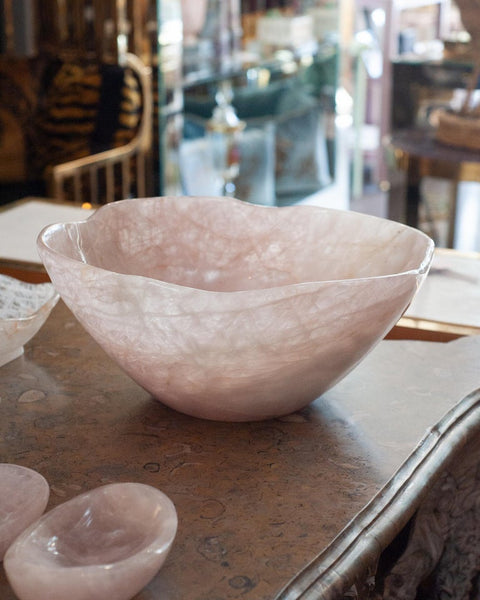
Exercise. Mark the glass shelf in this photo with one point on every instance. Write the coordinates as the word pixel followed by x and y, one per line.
pixel 284 92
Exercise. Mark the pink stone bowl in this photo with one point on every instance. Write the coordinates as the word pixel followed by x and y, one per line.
pixel 24 495
pixel 234 311
pixel 106 543
pixel 24 308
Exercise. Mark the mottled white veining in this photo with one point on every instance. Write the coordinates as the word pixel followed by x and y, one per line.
pixel 232 311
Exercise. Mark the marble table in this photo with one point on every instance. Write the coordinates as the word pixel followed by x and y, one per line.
pixel 446 306
pixel 20 224
pixel 309 506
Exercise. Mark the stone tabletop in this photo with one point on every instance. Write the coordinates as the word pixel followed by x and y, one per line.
pixel 256 502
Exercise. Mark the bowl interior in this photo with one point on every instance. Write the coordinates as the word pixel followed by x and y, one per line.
pixel 227 245
pixel 105 526
pixel 20 300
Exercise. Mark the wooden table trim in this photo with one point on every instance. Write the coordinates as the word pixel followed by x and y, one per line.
pixel 25 271
pixel 413 328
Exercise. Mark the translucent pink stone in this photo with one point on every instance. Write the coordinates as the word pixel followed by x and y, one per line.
pixel 24 308
pixel 234 311
pixel 23 497
pixel 105 544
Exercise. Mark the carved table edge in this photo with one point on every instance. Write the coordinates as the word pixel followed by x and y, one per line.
pixel 355 551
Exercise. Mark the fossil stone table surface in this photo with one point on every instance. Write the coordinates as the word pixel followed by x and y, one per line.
pixel 297 507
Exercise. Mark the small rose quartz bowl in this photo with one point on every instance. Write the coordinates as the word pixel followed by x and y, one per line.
pixel 106 543
pixel 24 495
pixel 24 308
pixel 232 311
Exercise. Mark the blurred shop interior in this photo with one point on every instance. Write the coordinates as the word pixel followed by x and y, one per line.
pixel 332 102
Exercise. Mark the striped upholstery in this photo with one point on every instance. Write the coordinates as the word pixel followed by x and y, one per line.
pixel 86 109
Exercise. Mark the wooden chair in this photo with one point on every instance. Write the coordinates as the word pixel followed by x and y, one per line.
pixel 119 172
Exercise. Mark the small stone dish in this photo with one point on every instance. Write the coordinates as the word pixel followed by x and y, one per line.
pixel 233 311
pixel 24 495
pixel 106 543
pixel 24 308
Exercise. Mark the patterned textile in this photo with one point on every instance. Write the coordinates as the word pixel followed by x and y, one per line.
pixel 53 112
pixel 18 97
pixel 86 109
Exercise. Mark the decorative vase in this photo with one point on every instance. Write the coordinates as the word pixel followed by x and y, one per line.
pixel 193 15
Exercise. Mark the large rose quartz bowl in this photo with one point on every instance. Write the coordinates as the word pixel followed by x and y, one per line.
pixel 231 311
